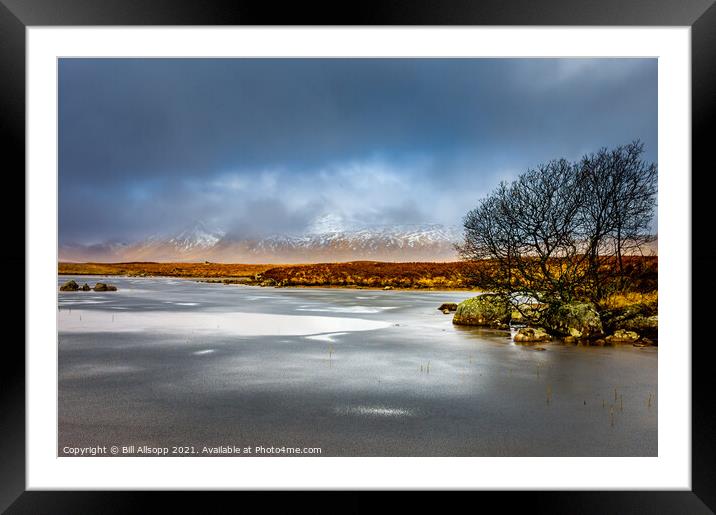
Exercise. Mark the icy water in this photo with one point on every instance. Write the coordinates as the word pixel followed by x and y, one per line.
pixel 212 368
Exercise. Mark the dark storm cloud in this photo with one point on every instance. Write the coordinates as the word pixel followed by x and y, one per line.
pixel 268 145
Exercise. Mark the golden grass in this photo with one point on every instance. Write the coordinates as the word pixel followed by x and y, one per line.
pixel 375 274
pixel 163 269
pixel 622 300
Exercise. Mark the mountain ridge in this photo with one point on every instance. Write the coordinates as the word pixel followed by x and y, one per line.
pixel 325 242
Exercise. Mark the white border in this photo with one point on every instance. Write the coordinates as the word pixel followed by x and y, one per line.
pixel 670 470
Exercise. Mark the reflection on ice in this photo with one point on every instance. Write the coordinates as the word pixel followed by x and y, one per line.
pixel 349 309
pixel 237 324
pixel 63 302
pixel 330 337
pixel 98 370
pixel 375 411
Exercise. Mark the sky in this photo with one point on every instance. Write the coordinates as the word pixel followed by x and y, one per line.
pixel 270 146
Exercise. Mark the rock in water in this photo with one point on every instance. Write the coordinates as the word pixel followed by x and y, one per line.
pixel 578 319
pixel 531 334
pixel 104 287
pixel 86 287
pixel 623 336
pixel 641 318
pixel 487 310
pixel 450 306
pixel 70 286
pixel 643 325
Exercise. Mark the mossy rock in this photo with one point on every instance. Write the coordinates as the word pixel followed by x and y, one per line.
pixel 643 325
pixel 577 319
pixel 70 286
pixel 104 287
pixel 631 318
pixel 623 336
pixel 531 335
pixel 488 310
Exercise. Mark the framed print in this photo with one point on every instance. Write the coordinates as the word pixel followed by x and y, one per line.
pixel 419 252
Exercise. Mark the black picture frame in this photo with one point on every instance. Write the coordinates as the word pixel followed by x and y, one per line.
pixel 700 15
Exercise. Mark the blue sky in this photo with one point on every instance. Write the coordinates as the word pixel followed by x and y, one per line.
pixel 263 146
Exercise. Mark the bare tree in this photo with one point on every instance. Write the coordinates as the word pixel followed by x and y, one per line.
pixel 621 189
pixel 559 233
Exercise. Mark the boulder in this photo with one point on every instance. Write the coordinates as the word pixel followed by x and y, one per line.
pixel 104 287
pixel 531 334
pixel 643 325
pixel 388 288
pixel 450 306
pixel 641 318
pixel 578 319
pixel 644 342
pixel 623 336
pixel 85 287
pixel 70 286
pixel 487 310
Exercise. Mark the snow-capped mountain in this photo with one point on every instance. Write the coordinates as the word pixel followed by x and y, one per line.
pixel 327 239
pixel 197 237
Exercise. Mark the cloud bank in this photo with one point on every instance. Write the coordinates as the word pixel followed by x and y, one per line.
pixel 266 146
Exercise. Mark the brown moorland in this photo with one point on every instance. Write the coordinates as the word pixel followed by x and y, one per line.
pixel 366 274
pixel 369 274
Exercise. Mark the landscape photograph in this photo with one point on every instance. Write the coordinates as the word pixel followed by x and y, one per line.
pixel 339 257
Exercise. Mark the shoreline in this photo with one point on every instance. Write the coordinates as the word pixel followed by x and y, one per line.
pixel 233 282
